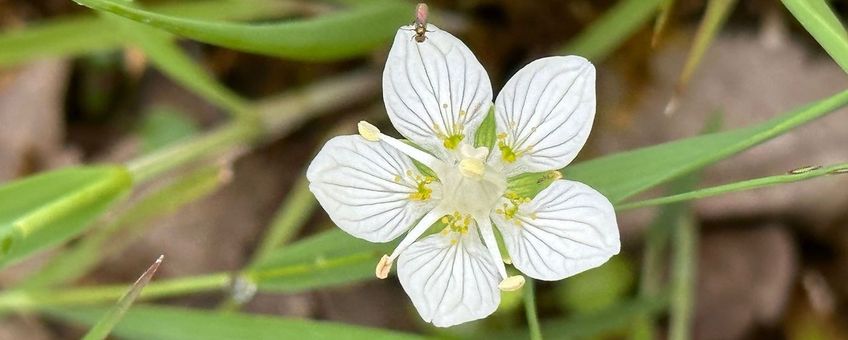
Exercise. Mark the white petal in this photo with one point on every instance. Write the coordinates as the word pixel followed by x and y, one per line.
pixel 365 188
pixel 566 229
pixel 450 282
pixel 545 113
pixel 434 89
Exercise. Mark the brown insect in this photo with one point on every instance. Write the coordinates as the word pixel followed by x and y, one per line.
pixel 421 22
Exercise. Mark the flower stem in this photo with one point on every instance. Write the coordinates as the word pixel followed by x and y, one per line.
pixel 683 273
pixel 530 310
pixel 229 135
pixel 24 300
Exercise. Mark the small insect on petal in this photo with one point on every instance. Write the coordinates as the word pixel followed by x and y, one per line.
pixel 421 12
pixel 368 131
pixel 512 283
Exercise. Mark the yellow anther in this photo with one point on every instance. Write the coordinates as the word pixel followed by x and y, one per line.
pixel 473 168
pixel 512 283
pixel 507 153
pixel 423 191
pixel 452 141
pixel 511 209
pixel 383 267
pixel 457 222
pixel 368 131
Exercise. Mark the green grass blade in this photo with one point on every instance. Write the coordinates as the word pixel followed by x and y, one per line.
pixel 165 323
pixel 662 21
pixel 327 259
pixel 606 33
pixel 823 24
pixel 43 210
pixel 798 175
pixel 163 52
pixel 125 228
pixel 104 326
pixel 624 174
pixel 714 18
pixel 85 34
pixel 682 285
pixel 352 32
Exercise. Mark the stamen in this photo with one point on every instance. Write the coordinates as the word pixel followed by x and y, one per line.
pixel 512 283
pixel 383 267
pixel 368 131
pixel 413 235
pixel 371 133
pixel 491 244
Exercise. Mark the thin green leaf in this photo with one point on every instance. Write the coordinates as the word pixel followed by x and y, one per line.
pixel 125 228
pixel 84 34
pixel 170 59
pixel 791 177
pixel 823 24
pixel 164 323
pixel 329 258
pixel 46 209
pixel 683 272
pixel 662 21
pixel 104 326
pixel 349 33
pixel 622 175
pixel 606 33
pixel 714 18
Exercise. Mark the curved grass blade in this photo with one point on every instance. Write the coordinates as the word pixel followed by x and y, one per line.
pixel 714 18
pixel 83 34
pixel 46 209
pixel 624 174
pixel 101 329
pixel 791 177
pixel 165 323
pixel 662 21
pixel 334 36
pixel 823 24
pixel 166 56
pixel 606 33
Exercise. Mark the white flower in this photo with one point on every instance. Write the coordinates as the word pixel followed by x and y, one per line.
pixel 437 94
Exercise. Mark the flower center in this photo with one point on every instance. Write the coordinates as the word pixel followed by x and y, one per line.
pixel 469 185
